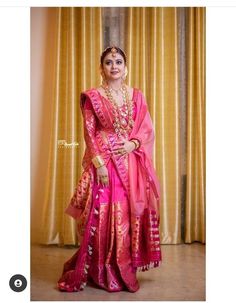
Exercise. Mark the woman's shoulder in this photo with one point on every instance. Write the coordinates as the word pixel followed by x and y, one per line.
pixel 133 91
pixel 89 91
pixel 130 90
pixel 89 96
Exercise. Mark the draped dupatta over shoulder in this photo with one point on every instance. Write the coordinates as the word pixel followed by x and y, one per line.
pixel 144 192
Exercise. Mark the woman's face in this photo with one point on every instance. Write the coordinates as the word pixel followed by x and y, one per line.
pixel 113 67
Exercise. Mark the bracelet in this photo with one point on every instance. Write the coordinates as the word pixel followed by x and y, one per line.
pixel 98 161
pixel 136 143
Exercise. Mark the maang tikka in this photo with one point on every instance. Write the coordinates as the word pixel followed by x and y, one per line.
pixel 114 51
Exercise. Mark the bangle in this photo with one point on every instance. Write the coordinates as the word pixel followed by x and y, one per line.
pixel 135 143
pixel 98 161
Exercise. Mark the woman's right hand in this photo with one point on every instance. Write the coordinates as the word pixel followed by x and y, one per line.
pixel 102 175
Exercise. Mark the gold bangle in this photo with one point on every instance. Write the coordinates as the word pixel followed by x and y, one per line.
pixel 98 161
pixel 136 143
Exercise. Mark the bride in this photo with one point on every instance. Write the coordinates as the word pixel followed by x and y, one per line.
pixel 116 201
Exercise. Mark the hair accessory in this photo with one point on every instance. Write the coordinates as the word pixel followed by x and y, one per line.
pixel 114 51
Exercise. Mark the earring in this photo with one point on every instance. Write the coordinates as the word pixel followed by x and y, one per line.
pixel 104 81
pixel 125 74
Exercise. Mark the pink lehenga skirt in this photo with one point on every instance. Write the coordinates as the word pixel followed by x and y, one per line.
pixel 104 256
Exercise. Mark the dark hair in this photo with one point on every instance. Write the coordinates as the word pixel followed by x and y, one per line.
pixel 108 50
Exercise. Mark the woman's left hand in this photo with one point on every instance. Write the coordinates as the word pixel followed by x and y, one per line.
pixel 124 147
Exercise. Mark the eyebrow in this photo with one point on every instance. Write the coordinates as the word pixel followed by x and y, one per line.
pixel 120 59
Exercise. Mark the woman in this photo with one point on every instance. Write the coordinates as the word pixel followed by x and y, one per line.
pixel 116 202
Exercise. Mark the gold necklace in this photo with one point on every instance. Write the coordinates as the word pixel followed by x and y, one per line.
pixel 121 125
pixel 115 90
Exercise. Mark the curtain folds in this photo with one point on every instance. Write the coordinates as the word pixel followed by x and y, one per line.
pixel 196 144
pixel 153 58
pixel 153 61
pixel 79 44
pixel 165 49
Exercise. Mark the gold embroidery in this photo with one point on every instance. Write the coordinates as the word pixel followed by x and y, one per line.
pixel 151 232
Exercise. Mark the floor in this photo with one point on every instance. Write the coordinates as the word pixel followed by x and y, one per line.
pixel 181 276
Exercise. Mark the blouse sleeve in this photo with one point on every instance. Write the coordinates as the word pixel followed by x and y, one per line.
pixel 90 124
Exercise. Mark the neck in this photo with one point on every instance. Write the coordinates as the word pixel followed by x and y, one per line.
pixel 115 84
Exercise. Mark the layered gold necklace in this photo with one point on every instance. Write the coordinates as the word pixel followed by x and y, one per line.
pixel 121 125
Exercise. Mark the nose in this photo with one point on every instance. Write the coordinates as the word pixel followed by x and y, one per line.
pixel 113 65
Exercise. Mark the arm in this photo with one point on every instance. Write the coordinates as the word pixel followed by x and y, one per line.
pixel 90 124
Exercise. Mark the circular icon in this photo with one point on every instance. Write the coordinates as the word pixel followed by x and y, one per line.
pixel 18 283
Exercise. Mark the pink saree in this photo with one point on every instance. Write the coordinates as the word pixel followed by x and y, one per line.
pixel 118 225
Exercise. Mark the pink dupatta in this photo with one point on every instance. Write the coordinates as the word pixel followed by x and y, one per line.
pixel 144 193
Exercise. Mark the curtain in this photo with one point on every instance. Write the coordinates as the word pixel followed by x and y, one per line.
pixel 195 191
pixel 165 50
pixel 79 44
pixel 153 62
pixel 153 49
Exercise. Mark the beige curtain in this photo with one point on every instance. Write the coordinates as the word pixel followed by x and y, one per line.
pixel 153 56
pixel 155 64
pixel 195 195
pixel 153 68
pixel 78 47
